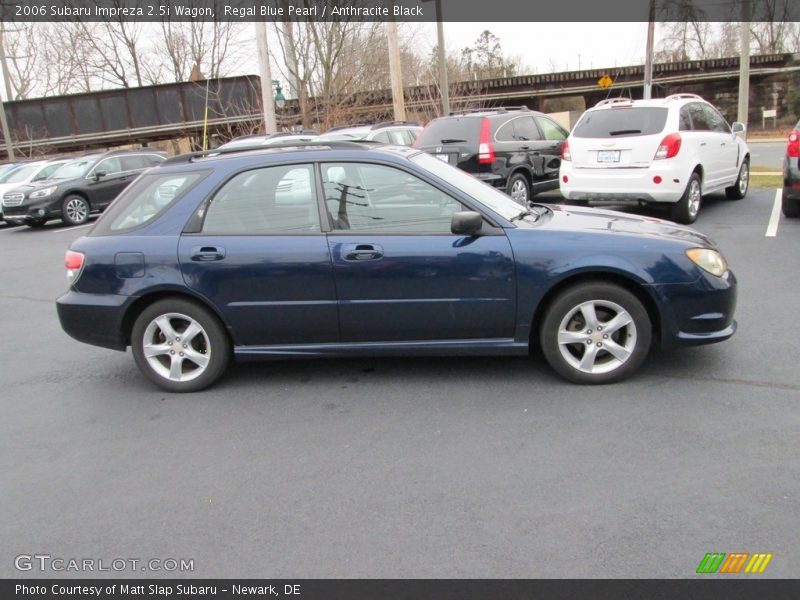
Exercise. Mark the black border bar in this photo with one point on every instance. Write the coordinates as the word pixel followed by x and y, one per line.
pixel 599 11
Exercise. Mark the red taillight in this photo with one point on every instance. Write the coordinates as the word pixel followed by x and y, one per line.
pixel 670 146
pixel 565 153
pixel 74 263
pixel 793 148
pixel 485 148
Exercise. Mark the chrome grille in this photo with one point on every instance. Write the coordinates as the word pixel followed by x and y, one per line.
pixel 13 199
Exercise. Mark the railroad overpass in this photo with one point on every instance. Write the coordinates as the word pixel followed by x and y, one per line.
pixel 160 112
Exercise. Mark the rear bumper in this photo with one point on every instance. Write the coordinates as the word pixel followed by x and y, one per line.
pixel 94 318
pixel 633 184
pixel 697 313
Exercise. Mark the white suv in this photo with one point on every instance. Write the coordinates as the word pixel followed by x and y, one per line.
pixel 675 150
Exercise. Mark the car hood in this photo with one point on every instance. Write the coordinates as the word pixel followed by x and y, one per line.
pixel 579 218
pixel 40 185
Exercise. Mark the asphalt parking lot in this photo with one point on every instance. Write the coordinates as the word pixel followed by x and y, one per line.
pixel 462 467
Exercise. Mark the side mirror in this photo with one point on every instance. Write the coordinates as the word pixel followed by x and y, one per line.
pixel 466 223
pixel 738 129
pixel 99 175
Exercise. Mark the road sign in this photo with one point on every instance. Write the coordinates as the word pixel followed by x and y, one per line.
pixel 605 82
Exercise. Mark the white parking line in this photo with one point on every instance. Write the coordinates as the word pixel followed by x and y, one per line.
pixel 60 230
pixel 772 226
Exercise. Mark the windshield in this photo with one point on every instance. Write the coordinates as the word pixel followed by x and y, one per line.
pixel 474 188
pixel 74 168
pixel 611 122
pixel 19 175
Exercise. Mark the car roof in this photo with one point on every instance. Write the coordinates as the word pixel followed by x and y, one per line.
pixel 311 151
pixel 668 102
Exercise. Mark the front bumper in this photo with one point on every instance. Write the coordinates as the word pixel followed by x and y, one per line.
pixel 48 208
pixel 94 318
pixel 697 313
pixel 623 184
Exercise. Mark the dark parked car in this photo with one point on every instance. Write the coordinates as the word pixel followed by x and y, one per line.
pixel 514 149
pixel 791 175
pixel 343 249
pixel 83 185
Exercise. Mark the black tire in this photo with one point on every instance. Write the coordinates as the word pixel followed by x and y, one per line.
pixel 687 208
pixel 75 210
pixel 519 189
pixel 739 189
pixel 37 224
pixel 791 207
pixel 631 341
pixel 213 345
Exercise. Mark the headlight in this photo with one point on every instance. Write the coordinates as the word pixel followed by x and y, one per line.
pixel 708 260
pixel 43 193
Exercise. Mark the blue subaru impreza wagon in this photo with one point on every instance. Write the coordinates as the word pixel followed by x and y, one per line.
pixel 345 248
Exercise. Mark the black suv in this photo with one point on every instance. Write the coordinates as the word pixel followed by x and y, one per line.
pixel 513 148
pixel 82 185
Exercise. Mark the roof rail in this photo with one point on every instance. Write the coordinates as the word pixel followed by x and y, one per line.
pixel 340 127
pixel 496 109
pixel 683 95
pixel 192 156
pixel 393 123
pixel 619 100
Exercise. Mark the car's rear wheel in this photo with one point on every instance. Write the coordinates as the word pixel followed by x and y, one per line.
pixel 791 207
pixel 180 346
pixel 595 333
pixel 739 189
pixel 686 209
pixel 75 210
pixel 519 189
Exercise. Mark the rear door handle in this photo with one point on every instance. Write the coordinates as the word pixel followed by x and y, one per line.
pixel 359 252
pixel 207 253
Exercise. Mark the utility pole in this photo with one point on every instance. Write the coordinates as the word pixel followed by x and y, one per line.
pixel 7 85
pixel 744 64
pixel 647 93
pixel 265 74
pixel 395 70
pixel 444 85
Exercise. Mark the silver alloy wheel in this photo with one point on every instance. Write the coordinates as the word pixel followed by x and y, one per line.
pixel 597 336
pixel 694 198
pixel 519 192
pixel 744 178
pixel 77 210
pixel 176 347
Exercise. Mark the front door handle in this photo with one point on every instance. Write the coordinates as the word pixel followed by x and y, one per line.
pixel 702 143
pixel 359 252
pixel 207 253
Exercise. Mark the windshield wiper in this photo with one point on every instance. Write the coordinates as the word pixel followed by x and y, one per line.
pixel 451 141
pixel 523 214
pixel 624 131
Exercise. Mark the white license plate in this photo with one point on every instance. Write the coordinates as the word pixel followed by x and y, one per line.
pixel 443 157
pixel 607 156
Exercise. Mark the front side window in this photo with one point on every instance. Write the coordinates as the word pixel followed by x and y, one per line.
pixel 376 198
pixel 699 117
pixel 108 166
pixel 270 200
pixel 715 120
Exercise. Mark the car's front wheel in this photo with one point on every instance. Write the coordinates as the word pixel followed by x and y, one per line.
pixel 519 189
pixel 685 210
pixel 75 210
pixel 739 189
pixel 595 333
pixel 180 345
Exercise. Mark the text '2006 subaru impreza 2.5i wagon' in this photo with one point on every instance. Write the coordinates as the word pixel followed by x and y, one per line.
pixel 348 248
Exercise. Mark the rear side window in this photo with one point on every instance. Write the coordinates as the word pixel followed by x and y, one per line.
pixel 450 130
pixel 617 122
pixel 144 199
pixel 270 200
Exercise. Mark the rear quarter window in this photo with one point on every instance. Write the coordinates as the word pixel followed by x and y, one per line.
pixel 144 200
pixel 621 122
